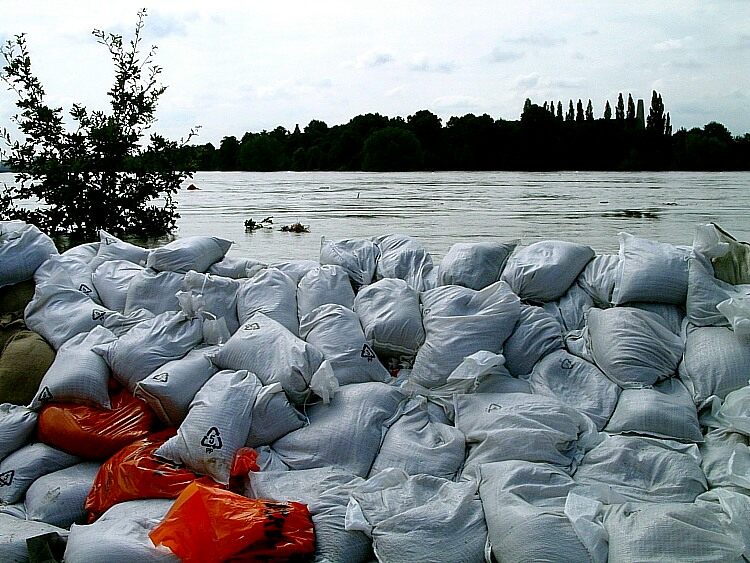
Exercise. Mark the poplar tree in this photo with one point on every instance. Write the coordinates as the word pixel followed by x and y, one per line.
pixel 607 111
pixel 620 108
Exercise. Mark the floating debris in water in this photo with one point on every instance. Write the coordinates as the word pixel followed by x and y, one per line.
pixel 251 225
pixel 192 187
pixel 633 214
pixel 296 228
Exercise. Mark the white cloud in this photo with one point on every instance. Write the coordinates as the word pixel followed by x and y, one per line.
pixel 373 58
pixel 500 55
pixel 673 44
pixel 456 103
pixel 527 81
pixel 422 63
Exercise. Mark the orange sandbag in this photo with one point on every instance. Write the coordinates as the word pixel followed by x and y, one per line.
pixel 95 433
pixel 210 525
pixel 136 473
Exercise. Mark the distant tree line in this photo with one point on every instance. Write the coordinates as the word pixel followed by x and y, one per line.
pixel 547 137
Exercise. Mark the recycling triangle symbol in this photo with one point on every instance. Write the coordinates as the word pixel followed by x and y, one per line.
pixel 252 326
pixel 566 364
pixel 6 478
pixel 161 377
pixel 85 289
pixel 45 395
pixel 98 314
pixel 367 353
pixel 108 241
pixel 212 439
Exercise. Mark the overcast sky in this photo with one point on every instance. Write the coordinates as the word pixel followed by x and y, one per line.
pixel 233 67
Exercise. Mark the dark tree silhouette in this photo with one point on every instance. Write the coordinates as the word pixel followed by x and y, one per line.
pixel 656 120
pixel 579 111
pixel 571 115
pixel 392 148
pixel 559 111
pixel 589 112
pixel 607 111
pixel 620 108
pixel 630 115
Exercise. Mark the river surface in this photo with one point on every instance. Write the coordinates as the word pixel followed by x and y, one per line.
pixel 442 208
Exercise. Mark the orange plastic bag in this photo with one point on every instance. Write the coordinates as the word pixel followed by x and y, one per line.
pixel 136 473
pixel 95 433
pixel 210 525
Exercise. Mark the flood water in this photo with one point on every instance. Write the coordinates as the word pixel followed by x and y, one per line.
pixel 442 208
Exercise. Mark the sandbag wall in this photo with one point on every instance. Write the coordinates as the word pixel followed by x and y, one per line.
pixel 522 403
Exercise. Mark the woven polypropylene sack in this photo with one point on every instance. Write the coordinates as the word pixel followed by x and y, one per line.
pixel 337 332
pixel 535 335
pixel 451 521
pixel 23 248
pixel 403 257
pixel 544 271
pixel 391 317
pixel 170 389
pixel 112 248
pixel 24 466
pixel 326 492
pixel 474 264
pixel 324 285
pixel 112 280
pixel 58 498
pixel 458 322
pixel 715 363
pixel 295 269
pixel 651 271
pixel 598 278
pixel 664 411
pixel 216 425
pixel 577 383
pixel 358 257
pixel 78 374
pixel 274 354
pixel 24 360
pixel 154 291
pixel 273 417
pixel 189 253
pixel 13 535
pixel 271 292
pixel 235 267
pixel 643 469
pixel 67 272
pixel 632 347
pixel 149 345
pixel 570 310
pixel 219 295
pixel 84 252
pixel 346 433
pixel 17 423
pixel 721 451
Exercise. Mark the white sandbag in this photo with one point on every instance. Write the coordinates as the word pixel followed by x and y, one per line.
pixel 18 510
pixel 391 317
pixel 346 433
pixel 295 269
pixel 326 492
pixel 458 322
pixel 525 507
pixel 625 468
pixel 576 343
pixel 269 461
pixel 535 335
pixel 419 443
pixel 59 313
pixel 651 271
pixel 705 292
pixel 337 333
pixel 216 425
pixel 632 347
pixel 24 466
pixel 665 410
pixel 544 271
pixel 58 498
pixel 419 518
pixel 67 272
pixel 272 293
pixel 733 413
pixel 716 362
pixel 403 257
pixel 84 252
pixel 273 417
pixel 112 280
pixel 23 248
pixel 598 279
pixel 703 531
pixel 275 355
pixel 78 374
pixel 725 460
pixel 504 426
pixel 570 310
pixel 170 389
pixel 120 535
pixel 154 291
pixel 120 324
pixel 112 248
pixel 17 423
pixel 670 315
pixel 323 285
pixel 149 345
pixel 236 268
pixel 219 296
pixel 577 383
pixel 474 264
pixel 190 253
pixel 13 535
pixel 357 256
pixel 737 312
